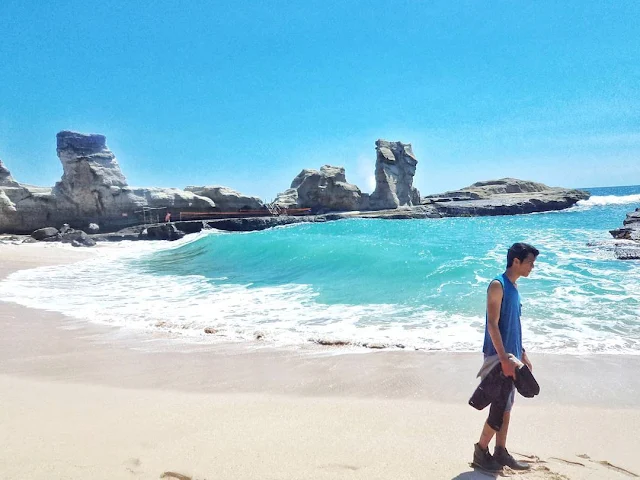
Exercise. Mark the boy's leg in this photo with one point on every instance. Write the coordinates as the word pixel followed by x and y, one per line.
pixel 486 436
pixel 501 454
pixel 501 436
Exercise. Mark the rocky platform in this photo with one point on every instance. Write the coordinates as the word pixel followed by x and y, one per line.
pixel 629 235
pixel 507 196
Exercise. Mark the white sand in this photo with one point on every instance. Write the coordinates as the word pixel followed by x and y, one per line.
pixel 82 401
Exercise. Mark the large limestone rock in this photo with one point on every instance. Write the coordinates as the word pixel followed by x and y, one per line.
pixel 86 162
pixel 322 190
pixel 507 196
pixel 489 188
pixel 92 189
pixel 395 168
pixel 227 199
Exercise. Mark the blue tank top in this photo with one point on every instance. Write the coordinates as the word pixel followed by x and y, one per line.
pixel 509 323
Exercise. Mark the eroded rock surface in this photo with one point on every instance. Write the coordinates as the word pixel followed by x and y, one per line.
pixel 507 196
pixel 395 169
pixel 92 189
pixel 322 190
pixel 5 177
pixel 630 231
pixel 227 199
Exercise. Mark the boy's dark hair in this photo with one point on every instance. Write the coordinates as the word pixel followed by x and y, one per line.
pixel 520 251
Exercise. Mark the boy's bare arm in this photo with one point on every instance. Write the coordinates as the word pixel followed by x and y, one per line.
pixel 494 301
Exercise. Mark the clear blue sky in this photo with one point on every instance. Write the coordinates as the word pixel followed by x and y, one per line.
pixel 246 94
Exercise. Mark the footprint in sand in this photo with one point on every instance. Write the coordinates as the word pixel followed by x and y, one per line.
pixel 338 467
pixel 174 475
pixel 133 465
pixel 538 470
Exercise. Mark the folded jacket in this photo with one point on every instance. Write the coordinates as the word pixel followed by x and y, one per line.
pixel 495 388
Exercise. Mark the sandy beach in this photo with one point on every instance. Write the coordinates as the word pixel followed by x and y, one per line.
pixel 85 401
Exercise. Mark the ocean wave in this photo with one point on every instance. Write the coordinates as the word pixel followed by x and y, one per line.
pixel 290 315
pixel 598 201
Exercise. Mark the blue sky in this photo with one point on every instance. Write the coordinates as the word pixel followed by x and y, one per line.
pixel 246 94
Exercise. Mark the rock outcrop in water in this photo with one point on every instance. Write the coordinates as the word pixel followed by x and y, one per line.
pixel 395 169
pixel 507 196
pixel 323 190
pixel 630 231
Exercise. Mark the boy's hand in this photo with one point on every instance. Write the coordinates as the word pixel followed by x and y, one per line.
pixel 508 367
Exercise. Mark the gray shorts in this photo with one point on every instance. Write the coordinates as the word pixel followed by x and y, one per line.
pixel 510 400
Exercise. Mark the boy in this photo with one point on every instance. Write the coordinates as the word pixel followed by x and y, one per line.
pixel 503 336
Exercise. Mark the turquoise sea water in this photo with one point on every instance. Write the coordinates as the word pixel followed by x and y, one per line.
pixel 420 283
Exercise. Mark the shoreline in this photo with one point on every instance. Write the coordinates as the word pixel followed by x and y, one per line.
pixel 104 408
pixel 98 354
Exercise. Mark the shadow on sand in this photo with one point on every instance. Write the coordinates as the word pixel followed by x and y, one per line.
pixel 475 475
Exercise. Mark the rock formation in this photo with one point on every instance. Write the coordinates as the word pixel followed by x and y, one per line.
pixel 507 196
pixel 489 188
pixel 323 191
pixel 630 231
pixel 93 195
pixel 227 199
pixel 92 190
pixel 395 168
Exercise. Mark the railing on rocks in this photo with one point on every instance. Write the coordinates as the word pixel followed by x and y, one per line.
pixel 268 212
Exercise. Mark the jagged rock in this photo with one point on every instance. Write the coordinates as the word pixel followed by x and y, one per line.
pixel 167 231
pixel 77 238
pixel 227 199
pixel 633 219
pixel 395 168
pixel 94 228
pixel 631 228
pixel 46 232
pixel 6 179
pixel 288 198
pixel 630 231
pixel 116 237
pixel 626 233
pixel 628 252
pixel 321 190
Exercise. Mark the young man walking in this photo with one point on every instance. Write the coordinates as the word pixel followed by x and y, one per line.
pixel 503 342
